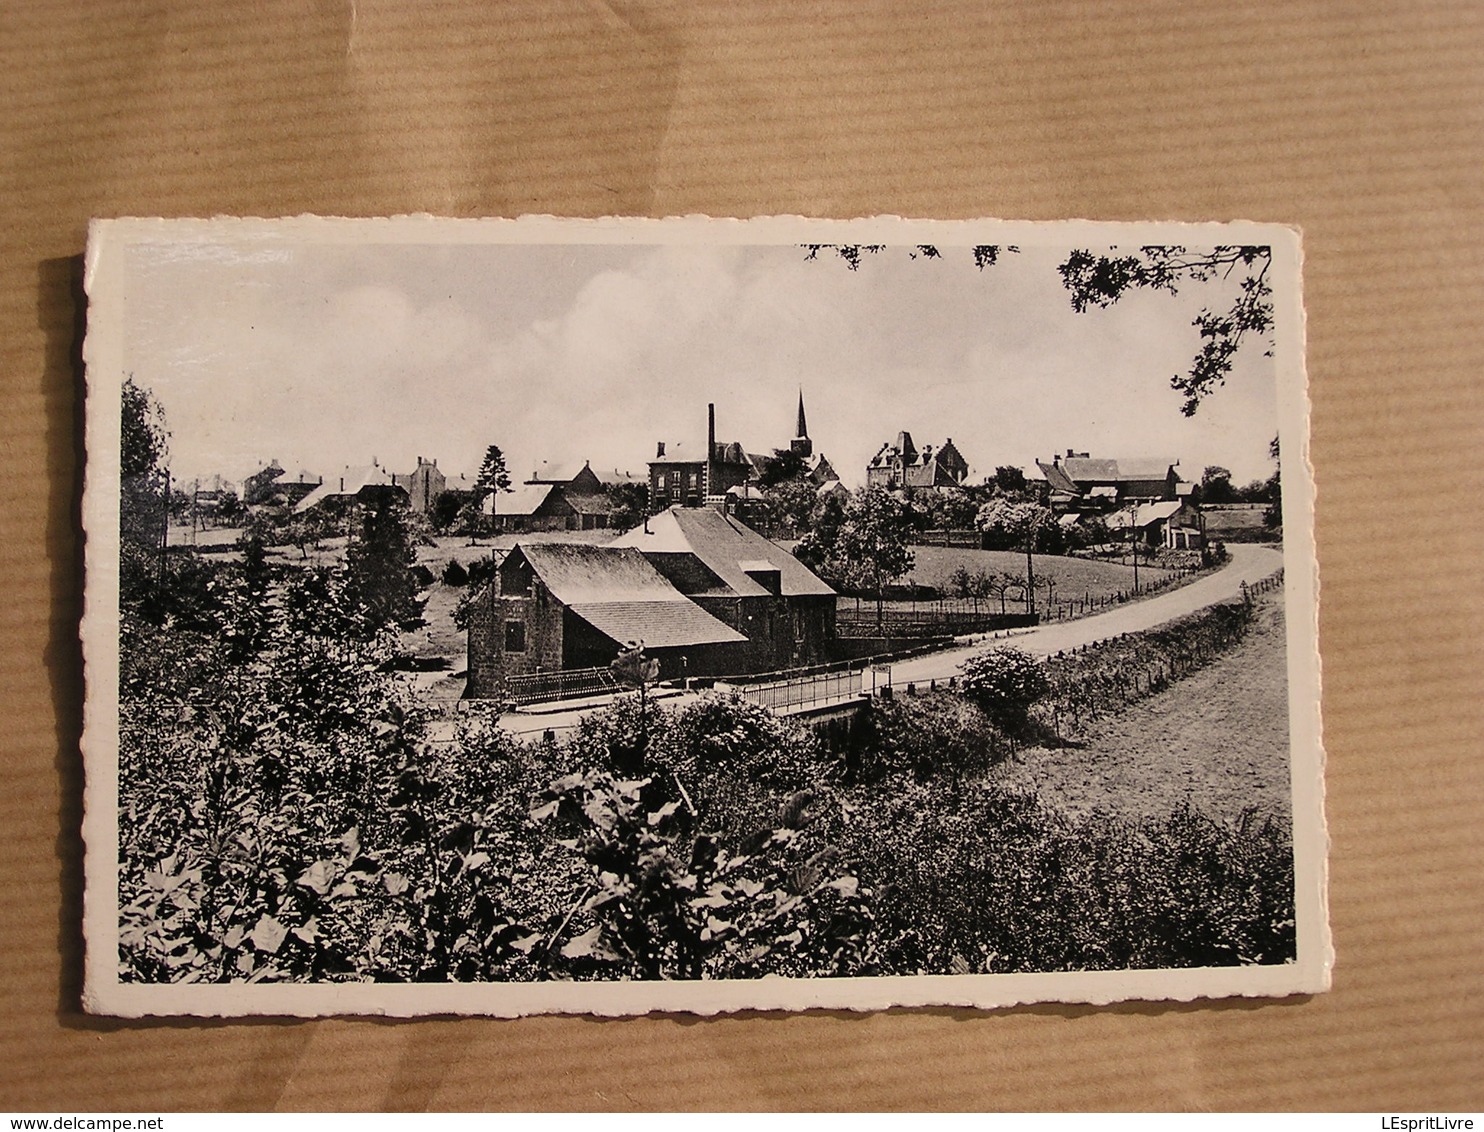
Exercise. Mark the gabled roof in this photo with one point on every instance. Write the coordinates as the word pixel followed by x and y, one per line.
pixel 1142 514
pixel 523 501
pixel 722 544
pixel 555 472
pixel 588 504
pixel 617 592
pixel 577 573
pixel 352 480
pixel 1081 469
pixel 1057 477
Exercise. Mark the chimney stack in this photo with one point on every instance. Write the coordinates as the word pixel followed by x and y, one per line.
pixel 711 431
pixel 659 449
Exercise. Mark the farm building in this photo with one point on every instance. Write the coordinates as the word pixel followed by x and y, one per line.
pixel 1237 522
pixel 744 580
pixel 562 606
pixel 1083 483
pixel 1171 523
pixel 901 464
pixel 555 498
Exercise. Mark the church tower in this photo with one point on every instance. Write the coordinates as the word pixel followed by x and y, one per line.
pixel 801 445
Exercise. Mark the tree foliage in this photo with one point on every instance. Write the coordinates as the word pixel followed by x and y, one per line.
pixel 628 503
pixel 380 560
pixel 870 546
pixel 493 475
pixel 144 439
pixel 1101 280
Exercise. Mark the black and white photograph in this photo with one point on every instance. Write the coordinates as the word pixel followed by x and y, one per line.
pixel 509 617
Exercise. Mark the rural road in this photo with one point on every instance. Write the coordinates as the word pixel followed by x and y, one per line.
pixel 1248 564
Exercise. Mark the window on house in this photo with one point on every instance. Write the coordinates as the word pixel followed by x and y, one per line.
pixel 515 636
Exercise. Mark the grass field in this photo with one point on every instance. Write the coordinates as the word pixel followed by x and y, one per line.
pixel 1074 576
pixel 1218 739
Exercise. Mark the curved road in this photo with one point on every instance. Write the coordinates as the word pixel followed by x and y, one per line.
pixel 1248 564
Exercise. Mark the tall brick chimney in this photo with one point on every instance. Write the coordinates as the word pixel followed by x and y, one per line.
pixel 711 431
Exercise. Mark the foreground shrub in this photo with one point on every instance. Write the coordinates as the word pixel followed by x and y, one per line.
pixel 729 759
pixel 923 736
pixel 664 901
pixel 1000 882
pixel 1005 682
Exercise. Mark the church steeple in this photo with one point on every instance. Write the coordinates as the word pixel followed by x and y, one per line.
pixel 801 443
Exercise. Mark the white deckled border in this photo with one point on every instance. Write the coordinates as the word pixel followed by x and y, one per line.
pixel 107 287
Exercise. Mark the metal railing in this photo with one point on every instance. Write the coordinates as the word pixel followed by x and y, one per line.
pixel 805 691
pixel 538 687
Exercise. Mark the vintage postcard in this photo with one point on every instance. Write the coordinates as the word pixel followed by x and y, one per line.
pixel 519 616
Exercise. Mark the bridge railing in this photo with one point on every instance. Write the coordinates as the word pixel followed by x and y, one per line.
pixel 805 691
pixel 538 687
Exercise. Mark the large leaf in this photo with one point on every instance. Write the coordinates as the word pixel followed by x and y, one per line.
pixel 318 877
pixel 268 934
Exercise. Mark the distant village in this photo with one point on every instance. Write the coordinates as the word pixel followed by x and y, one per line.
pixel 695 557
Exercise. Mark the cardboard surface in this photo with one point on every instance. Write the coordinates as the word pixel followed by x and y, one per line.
pixel 1359 123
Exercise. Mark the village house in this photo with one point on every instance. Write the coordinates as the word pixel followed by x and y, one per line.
pixel 562 606
pixel 743 579
pixel 687 476
pixel 426 482
pixel 271 485
pixel 901 464
pixel 366 483
pixel 1082 483
pixel 555 498
pixel 1173 523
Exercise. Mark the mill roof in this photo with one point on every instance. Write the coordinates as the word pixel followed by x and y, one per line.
pixel 658 624
pixel 618 592
pixel 722 543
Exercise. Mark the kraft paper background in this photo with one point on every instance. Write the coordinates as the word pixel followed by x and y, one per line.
pixel 1361 123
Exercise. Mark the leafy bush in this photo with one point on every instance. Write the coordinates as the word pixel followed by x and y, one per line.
pixel 924 736
pixel 665 902
pixel 1005 682
pixel 998 882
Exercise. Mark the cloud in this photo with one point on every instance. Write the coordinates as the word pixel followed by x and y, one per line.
pixel 340 354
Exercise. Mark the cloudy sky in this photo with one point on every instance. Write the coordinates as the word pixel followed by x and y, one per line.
pixel 320 355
